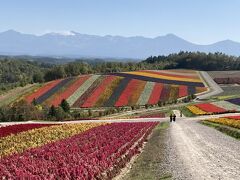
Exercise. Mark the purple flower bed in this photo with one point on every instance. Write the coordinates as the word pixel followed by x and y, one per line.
pixel 234 101
pixel 52 91
pixel 191 90
pixel 117 93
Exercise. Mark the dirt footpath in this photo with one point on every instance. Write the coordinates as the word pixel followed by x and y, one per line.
pixel 200 152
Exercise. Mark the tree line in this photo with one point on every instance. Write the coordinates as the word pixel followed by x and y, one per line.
pixel 195 60
pixel 19 71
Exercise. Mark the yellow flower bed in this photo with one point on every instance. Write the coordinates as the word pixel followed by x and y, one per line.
pixel 196 110
pixel 39 137
pixel 228 122
pixel 149 74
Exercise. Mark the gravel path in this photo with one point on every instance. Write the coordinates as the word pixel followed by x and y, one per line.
pixel 199 152
pixel 214 87
pixel 178 113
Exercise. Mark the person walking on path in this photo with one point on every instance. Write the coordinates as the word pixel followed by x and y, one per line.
pixel 171 117
pixel 174 117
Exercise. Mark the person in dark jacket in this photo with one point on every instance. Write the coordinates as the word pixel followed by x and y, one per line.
pixel 174 117
pixel 171 117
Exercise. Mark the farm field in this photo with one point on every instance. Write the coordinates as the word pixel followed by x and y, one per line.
pixel 119 89
pixel 106 149
pixel 85 151
pixel 229 125
pixel 218 107
pixel 229 90
pixel 225 77
pixel 231 121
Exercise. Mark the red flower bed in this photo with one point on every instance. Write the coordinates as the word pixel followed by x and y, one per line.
pixel 128 91
pixel 42 90
pixel 183 91
pixel 69 91
pixel 165 95
pixel 90 102
pixel 80 101
pixel 207 107
pixel 14 129
pixel 233 117
pixel 99 153
pixel 156 93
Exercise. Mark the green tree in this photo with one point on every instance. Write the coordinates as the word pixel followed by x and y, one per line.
pixel 34 102
pixel 52 111
pixel 38 77
pixel 56 72
pixel 65 105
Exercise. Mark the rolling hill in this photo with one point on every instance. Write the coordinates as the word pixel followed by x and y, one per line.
pixel 119 89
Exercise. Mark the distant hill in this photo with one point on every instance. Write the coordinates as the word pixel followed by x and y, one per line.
pixel 82 45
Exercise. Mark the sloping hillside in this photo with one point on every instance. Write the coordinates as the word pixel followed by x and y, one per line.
pixel 119 89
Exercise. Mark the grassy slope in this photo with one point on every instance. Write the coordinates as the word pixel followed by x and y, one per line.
pixel 224 129
pixel 14 94
pixel 151 162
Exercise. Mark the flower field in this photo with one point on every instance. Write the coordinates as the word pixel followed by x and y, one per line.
pixel 217 107
pixel 235 101
pixel 196 110
pixel 15 129
pixel 232 121
pixel 119 89
pixel 71 151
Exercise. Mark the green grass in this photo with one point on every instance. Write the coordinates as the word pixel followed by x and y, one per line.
pixel 233 132
pixel 150 164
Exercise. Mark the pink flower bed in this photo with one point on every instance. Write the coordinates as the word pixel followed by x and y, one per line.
pixel 14 129
pixel 98 153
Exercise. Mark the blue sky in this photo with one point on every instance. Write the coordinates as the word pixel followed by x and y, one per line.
pixel 199 21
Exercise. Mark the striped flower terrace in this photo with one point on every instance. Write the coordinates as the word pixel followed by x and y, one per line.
pixel 119 89
pixel 217 107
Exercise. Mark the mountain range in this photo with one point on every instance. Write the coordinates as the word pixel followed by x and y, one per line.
pixel 75 44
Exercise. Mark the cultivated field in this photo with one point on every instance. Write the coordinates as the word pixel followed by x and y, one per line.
pixel 119 89
pixel 141 144
pixel 85 151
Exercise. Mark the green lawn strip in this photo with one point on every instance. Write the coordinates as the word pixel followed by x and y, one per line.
pixel 233 132
pixel 151 162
